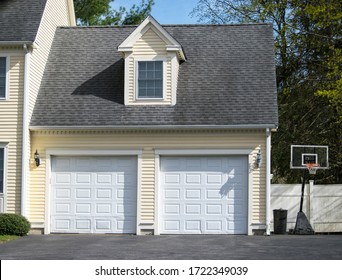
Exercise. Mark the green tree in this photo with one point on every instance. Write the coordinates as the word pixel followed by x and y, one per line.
pixel 308 45
pixel 100 12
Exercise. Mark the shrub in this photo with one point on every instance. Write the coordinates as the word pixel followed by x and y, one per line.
pixel 13 224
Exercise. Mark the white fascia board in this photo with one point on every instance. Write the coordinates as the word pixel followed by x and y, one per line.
pixel 25 146
pixel 101 127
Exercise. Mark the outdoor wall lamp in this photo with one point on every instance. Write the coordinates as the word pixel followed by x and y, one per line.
pixel 37 158
pixel 258 159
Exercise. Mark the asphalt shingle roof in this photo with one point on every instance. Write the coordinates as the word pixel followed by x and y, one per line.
pixel 228 79
pixel 20 19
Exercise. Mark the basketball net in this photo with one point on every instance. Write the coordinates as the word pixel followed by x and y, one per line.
pixel 312 167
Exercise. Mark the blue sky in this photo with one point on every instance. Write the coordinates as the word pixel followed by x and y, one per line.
pixel 166 11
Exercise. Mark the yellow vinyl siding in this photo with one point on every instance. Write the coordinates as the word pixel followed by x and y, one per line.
pixel 11 120
pixel 149 46
pixel 148 142
pixel 147 185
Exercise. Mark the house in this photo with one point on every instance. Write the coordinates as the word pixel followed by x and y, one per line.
pixel 27 29
pixel 154 129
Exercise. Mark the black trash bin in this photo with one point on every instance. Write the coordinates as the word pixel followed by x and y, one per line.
pixel 279 221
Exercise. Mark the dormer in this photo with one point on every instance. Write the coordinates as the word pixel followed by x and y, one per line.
pixel 152 58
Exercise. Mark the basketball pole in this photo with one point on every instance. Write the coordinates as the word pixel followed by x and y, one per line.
pixel 302 223
pixel 303 189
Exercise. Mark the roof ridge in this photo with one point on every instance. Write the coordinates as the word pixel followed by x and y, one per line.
pixel 164 25
pixel 97 27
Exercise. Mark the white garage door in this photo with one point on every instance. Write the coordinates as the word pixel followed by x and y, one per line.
pixel 204 195
pixel 94 194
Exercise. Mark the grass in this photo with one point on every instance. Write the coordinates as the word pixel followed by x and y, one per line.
pixel 6 238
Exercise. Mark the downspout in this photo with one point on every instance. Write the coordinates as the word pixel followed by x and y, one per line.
pixel 25 152
pixel 268 181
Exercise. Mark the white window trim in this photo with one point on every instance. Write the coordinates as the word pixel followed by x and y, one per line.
pixel 3 194
pixel 136 74
pixel 204 152
pixel 7 77
pixel 71 152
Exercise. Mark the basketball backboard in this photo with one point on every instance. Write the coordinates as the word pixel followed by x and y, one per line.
pixel 301 155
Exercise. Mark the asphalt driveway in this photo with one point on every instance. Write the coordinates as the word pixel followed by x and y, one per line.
pixel 173 247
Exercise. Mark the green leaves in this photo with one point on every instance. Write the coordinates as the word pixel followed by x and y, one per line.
pixel 308 48
pixel 100 12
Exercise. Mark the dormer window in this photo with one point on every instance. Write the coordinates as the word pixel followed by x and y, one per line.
pixel 150 79
pixel 152 59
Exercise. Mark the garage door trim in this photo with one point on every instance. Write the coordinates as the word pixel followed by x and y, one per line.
pixel 202 152
pixel 89 152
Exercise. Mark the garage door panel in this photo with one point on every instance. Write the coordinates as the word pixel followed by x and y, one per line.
pixel 62 224
pixel 171 225
pixel 125 226
pixel 214 209
pixel 214 179
pixel 172 179
pixel 193 226
pixel 214 225
pixel 192 194
pixel 204 195
pixel 83 224
pixel 172 209
pixel 103 208
pixel 104 179
pixel 192 179
pixel 192 209
pixel 81 193
pixel 103 225
pixel 98 195
pixel 63 178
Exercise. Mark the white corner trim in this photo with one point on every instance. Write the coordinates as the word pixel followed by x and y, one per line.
pixel 139 175
pixel 3 195
pixel 156 193
pixel 250 194
pixel 47 226
pixel 128 57
pixel 25 140
pixel 71 10
pixel 174 77
pixel 268 181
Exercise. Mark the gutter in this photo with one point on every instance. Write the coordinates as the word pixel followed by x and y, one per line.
pixel 25 139
pixel 153 127
pixel 268 181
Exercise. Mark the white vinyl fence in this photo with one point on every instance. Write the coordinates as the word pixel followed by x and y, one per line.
pixel 322 205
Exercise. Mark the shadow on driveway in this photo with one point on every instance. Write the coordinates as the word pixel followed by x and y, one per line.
pixel 173 247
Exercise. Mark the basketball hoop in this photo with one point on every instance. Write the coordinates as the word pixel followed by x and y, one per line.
pixel 312 167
